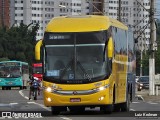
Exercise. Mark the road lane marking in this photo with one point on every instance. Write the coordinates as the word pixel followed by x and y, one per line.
pixel 152 103
pixel 13 103
pixel 65 118
pixel 135 102
pixel 132 110
pixel 139 97
pixel 4 105
pixel 31 102
pixel 41 105
pixel 20 92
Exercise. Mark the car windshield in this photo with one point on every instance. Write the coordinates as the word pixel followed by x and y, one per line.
pixel 144 79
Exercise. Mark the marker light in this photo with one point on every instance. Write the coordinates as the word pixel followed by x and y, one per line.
pixel 101 98
pixel 49 99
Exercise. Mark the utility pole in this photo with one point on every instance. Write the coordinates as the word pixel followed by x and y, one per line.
pixel 152 53
pixel 141 66
pixel 119 11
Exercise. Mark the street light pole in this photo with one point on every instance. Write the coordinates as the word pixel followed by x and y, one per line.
pixel 141 66
pixel 119 10
pixel 152 54
pixel 63 6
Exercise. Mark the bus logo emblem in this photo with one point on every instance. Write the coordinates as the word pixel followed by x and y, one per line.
pixel 74 92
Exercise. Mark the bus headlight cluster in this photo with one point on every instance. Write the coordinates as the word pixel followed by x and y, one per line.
pixel 49 99
pixel 102 88
pixel 49 89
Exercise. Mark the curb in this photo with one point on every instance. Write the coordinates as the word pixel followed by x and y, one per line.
pixel 139 97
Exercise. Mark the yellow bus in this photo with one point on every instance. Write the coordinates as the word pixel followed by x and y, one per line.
pixel 87 63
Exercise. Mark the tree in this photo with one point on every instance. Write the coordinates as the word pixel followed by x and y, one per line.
pixel 17 42
pixel 145 60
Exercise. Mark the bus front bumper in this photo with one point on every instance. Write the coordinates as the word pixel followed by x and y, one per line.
pixel 99 98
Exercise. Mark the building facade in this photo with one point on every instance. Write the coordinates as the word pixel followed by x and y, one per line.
pixel 41 11
pixel 134 14
pixel 4 13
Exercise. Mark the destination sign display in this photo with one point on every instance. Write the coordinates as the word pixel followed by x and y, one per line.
pixel 10 64
pixel 58 36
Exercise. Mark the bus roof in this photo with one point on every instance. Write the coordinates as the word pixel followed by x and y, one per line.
pixel 36 64
pixel 14 61
pixel 82 23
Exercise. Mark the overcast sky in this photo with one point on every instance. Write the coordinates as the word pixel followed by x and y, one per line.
pixel 157 14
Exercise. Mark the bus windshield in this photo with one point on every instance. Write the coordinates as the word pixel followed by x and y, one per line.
pixel 7 71
pixel 76 56
pixel 37 70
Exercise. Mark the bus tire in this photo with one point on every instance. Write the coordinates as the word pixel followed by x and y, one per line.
pixel 125 107
pixel 116 108
pixel 77 109
pixel 107 109
pixel 20 87
pixel 55 110
pixel 24 87
pixel 3 88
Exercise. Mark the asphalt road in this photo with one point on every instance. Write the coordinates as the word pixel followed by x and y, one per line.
pixel 16 100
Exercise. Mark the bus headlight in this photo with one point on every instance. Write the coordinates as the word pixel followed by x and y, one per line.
pixel 49 99
pixel 102 88
pixel 141 84
pixel 49 89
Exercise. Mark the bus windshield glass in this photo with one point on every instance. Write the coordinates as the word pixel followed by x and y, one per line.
pixel 37 70
pixel 75 56
pixel 10 70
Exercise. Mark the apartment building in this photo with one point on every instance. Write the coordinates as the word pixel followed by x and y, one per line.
pixel 41 11
pixel 4 13
pixel 134 15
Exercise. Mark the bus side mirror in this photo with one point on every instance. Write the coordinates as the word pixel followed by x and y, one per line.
pixel 38 50
pixel 110 48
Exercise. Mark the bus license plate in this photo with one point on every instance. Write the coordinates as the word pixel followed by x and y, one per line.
pixel 75 99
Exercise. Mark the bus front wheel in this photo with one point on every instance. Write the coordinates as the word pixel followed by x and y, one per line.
pixel 57 109
pixel 107 109
pixel 126 106
pixel 77 109
pixel 3 88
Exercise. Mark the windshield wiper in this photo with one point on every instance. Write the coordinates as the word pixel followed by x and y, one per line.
pixel 82 68
pixel 70 63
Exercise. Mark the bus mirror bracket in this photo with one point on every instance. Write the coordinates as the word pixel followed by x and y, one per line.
pixel 110 48
pixel 38 50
